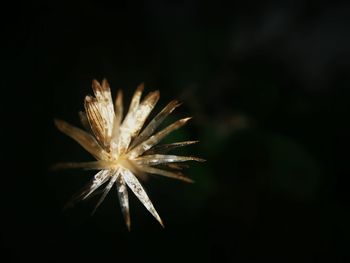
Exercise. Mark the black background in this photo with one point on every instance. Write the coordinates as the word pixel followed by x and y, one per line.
pixel 267 84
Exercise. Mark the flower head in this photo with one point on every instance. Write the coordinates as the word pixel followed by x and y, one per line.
pixel 123 148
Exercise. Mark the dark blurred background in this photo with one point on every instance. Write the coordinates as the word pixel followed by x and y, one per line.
pixel 267 83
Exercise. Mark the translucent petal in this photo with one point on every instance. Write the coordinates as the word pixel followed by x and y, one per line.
pixel 155 122
pixel 106 191
pixel 164 148
pixel 99 179
pixel 123 200
pixel 106 106
pixel 98 124
pixel 86 140
pixel 135 101
pixel 177 166
pixel 133 122
pixel 124 144
pixel 153 140
pixel 140 193
pixel 104 97
pixel 170 174
pixel 102 92
pixel 117 121
pixel 96 165
pixel 100 112
pixel 155 159
pixel 119 106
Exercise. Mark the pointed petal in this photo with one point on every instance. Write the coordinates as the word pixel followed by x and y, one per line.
pixel 96 165
pixel 95 119
pixel 164 148
pixel 144 109
pixel 133 122
pixel 117 121
pixel 155 159
pixel 106 106
pixel 140 193
pixel 153 140
pixel 177 166
pixel 87 141
pixel 102 92
pixel 119 106
pixel 100 112
pixel 123 200
pixel 104 96
pixel 155 122
pixel 99 179
pixel 118 111
pixel 98 124
pixel 135 101
pixel 174 175
pixel 105 192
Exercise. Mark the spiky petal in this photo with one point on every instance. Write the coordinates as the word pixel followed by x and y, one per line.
pixel 123 150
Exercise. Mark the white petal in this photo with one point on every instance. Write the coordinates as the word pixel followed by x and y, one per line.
pixel 134 121
pixel 155 159
pixel 118 107
pixel 153 140
pixel 100 112
pixel 140 193
pixel 86 140
pixel 164 148
pixel 155 122
pixel 104 97
pixel 106 191
pixel 99 179
pixel 123 200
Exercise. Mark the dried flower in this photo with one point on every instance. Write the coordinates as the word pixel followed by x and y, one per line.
pixel 123 150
